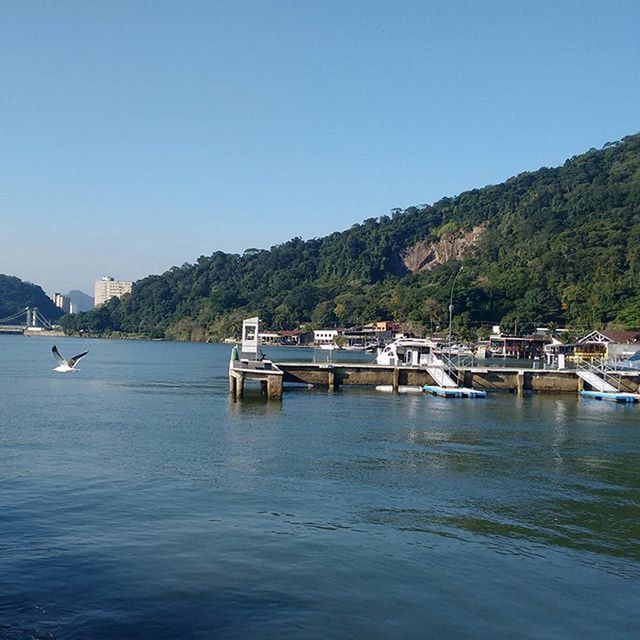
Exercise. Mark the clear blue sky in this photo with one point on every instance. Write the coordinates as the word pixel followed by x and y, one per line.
pixel 139 135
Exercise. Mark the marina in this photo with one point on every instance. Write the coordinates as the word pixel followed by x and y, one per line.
pixel 518 381
pixel 416 363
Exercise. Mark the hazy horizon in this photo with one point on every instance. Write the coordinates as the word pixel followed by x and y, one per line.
pixel 139 137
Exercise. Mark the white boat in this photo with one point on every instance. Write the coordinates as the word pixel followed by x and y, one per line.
pixel 456 350
pixel 329 347
pixel 412 352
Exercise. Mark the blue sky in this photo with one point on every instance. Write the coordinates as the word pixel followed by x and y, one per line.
pixel 139 135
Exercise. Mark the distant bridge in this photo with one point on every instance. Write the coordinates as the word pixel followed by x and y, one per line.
pixel 28 318
pixel 11 328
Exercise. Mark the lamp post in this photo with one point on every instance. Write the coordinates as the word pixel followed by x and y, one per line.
pixel 453 284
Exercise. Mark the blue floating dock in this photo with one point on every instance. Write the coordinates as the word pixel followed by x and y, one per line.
pixel 454 392
pixel 613 397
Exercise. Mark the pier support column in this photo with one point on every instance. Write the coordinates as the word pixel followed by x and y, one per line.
pixel 331 380
pixel 274 387
pixel 395 381
pixel 520 382
pixel 467 379
pixel 240 386
pixel 264 387
pixel 236 385
pixel 580 384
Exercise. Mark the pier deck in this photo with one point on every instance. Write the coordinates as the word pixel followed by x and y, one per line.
pixel 334 375
pixel 264 371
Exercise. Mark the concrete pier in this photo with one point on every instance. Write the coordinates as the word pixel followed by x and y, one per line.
pixel 520 383
pixel 265 372
pixel 485 378
pixel 251 364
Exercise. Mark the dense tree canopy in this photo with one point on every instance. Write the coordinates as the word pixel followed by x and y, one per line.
pixel 555 245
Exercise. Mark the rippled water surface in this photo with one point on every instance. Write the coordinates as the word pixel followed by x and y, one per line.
pixel 138 502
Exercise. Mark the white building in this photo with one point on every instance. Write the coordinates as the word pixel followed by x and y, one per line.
pixel 107 288
pixel 62 302
pixel 269 337
pixel 325 336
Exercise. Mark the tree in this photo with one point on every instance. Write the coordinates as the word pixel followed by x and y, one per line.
pixel 434 313
pixel 323 315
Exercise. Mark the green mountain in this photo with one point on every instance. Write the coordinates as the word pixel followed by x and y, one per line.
pixel 16 295
pixel 555 245
pixel 80 301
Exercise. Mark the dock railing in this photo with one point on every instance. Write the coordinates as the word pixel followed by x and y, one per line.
pixel 603 369
pixel 456 361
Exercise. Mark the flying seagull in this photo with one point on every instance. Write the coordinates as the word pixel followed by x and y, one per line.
pixel 66 365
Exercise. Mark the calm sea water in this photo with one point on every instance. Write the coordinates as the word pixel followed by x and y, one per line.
pixel 136 501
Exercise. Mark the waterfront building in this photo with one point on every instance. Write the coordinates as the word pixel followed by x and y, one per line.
pixel 269 337
pixel 384 326
pixel 325 336
pixel 524 347
pixel 611 344
pixel 368 336
pixel 296 337
pixel 108 287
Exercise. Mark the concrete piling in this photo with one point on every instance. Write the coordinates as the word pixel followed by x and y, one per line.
pixel 520 383
pixel 274 387
pixel 395 382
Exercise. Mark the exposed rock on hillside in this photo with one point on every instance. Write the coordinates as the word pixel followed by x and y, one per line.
pixel 456 245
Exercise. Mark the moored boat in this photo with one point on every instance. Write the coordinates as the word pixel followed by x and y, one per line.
pixel 413 352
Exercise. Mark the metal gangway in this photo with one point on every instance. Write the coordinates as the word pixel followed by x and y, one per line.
pixel 442 368
pixel 599 375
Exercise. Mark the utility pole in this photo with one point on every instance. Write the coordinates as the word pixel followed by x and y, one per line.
pixel 453 284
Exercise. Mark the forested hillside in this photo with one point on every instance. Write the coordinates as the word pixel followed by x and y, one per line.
pixel 80 301
pixel 555 245
pixel 16 295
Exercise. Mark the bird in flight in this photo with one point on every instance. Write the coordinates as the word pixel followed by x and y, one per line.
pixel 66 365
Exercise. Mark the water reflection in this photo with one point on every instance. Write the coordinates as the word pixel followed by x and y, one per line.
pixel 254 404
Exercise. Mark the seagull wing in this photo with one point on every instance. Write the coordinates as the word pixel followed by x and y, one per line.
pixel 57 356
pixel 74 360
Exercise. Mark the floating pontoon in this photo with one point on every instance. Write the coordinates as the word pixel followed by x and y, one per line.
pixel 454 392
pixel 618 396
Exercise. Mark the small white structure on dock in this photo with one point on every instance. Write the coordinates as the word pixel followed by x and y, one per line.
pixel 251 339
pixel 252 365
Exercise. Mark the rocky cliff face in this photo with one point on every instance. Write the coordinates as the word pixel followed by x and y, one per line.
pixel 451 245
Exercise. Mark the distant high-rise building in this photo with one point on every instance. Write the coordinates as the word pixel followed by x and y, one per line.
pixel 62 302
pixel 107 288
